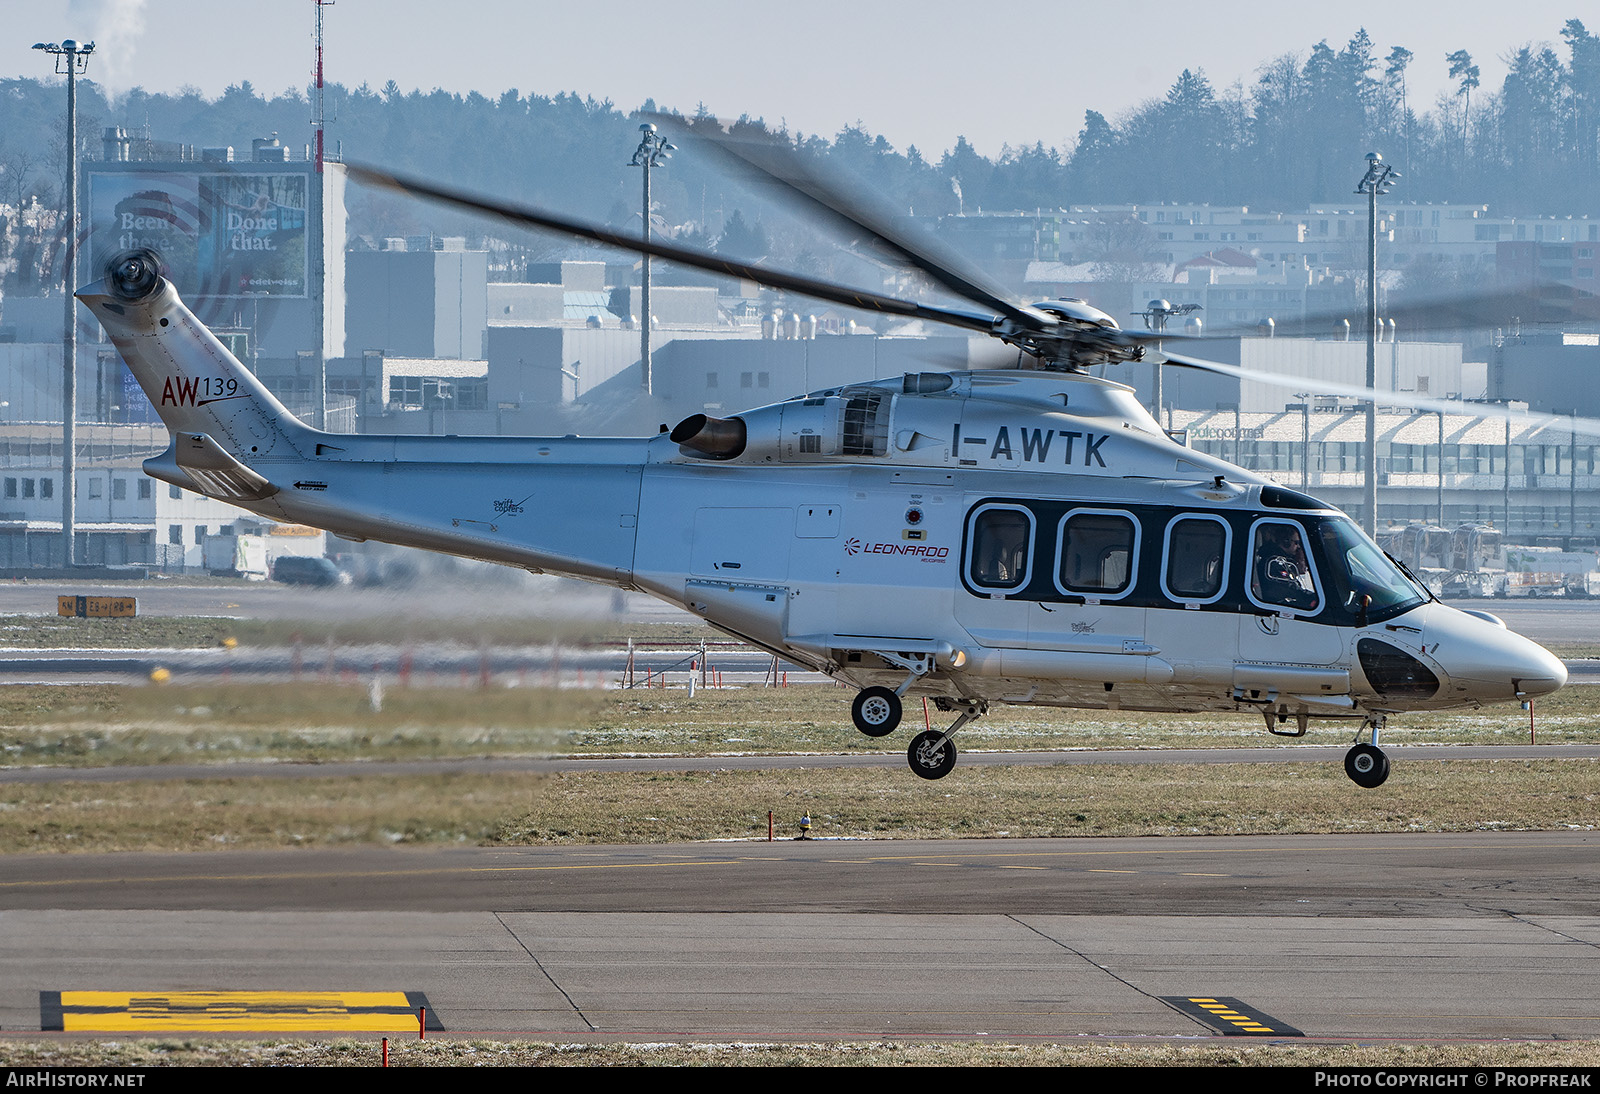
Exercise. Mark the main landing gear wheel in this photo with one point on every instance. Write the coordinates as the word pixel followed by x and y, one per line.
pixel 931 757
pixel 876 711
pixel 1367 766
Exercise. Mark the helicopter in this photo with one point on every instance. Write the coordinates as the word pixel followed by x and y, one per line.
pixel 1021 535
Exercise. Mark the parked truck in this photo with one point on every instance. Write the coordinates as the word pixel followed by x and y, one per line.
pixel 236 556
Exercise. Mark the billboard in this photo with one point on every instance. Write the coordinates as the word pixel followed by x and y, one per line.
pixel 219 233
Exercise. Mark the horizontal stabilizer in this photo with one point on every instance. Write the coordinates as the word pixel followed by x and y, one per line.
pixel 213 472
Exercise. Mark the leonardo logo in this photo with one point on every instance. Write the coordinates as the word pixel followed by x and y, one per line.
pixel 925 552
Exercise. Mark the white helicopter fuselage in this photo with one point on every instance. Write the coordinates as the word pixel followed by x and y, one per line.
pixel 994 536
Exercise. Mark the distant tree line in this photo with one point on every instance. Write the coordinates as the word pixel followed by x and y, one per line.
pixel 1295 135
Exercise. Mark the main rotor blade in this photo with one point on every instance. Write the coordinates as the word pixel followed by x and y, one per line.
pixel 780 167
pixel 1527 307
pixel 530 217
pixel 1589 427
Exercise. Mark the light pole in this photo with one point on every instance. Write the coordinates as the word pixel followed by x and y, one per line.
pixel 71 59
pixel 1379 177
pixel 1572 481
pixel 1155 315
pixel 1441 469
pixel 653 151
pixel 1304 407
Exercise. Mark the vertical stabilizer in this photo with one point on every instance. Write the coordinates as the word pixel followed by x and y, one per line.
pixel 191 379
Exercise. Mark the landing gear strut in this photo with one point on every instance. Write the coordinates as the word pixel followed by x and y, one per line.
pixel 932 754
pixel 1366 763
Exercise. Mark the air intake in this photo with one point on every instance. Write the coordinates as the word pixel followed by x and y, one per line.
pixel 1394 673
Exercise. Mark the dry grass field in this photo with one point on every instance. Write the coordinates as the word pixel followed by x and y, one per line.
pixel 218 725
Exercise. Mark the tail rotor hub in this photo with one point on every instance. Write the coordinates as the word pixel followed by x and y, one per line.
pixel 134 275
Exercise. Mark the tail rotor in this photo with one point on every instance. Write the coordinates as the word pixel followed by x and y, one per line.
pixel 134 275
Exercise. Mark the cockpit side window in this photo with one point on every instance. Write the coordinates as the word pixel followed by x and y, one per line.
pixel 1097 553
pixel 999 547
pixel 1196 566
pixel 1281 575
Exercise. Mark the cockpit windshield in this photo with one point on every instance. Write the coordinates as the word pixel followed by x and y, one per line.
pixel 1357 569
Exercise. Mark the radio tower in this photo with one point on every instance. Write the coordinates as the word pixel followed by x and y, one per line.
pixel 319 257
pixel 317 117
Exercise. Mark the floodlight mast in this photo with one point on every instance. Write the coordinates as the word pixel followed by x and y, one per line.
pixel 1378 179
pixel 653 151
pixel 72 59
pixel 1155 317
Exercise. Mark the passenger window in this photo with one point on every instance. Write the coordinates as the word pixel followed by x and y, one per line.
pixel 1096 553
pixel 1000 545
pixel 1280 573
pixel 1197 549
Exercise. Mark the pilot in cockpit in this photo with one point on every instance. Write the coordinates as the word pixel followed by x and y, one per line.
pixel 1280 573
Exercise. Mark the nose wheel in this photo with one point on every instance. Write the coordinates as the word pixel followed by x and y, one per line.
pixel 1367 766
pixel 876 711
pixel 1366 763
pixel 932 754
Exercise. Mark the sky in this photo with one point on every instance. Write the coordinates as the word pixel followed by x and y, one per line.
pixel 919 72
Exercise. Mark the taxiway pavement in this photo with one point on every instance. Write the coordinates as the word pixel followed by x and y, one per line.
pixel 1366 937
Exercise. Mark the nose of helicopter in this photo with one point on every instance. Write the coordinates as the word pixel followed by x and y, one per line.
pixel 1486 661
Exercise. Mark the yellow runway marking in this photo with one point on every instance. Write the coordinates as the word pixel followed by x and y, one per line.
pixel 1230 1016
pixel 232 1011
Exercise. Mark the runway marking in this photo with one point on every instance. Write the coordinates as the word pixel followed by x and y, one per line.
pixel 232 1011
pixel 1230 1017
